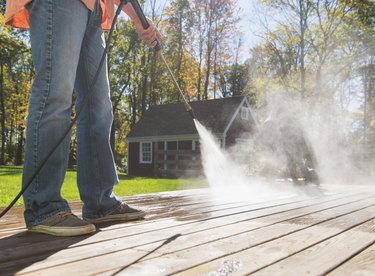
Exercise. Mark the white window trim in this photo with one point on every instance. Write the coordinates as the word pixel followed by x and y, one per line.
pixel 165 155
pixel 141 161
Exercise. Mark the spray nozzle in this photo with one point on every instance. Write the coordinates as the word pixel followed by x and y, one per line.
pixel 189 109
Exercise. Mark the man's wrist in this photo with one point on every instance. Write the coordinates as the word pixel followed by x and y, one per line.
pixel 129 10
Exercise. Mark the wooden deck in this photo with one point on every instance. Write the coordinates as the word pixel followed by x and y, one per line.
pixel 331 231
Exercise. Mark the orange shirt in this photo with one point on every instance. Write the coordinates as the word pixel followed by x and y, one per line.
pixel 17 16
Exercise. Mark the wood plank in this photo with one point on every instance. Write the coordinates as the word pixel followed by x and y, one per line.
pixel 217 218
pixel 48 243
pixel 325 255
pixel 184 210
pixel 211 234
pixel 163 247
pixel 156 204
pixel 177 222
pixel 262 255
pixel 361 264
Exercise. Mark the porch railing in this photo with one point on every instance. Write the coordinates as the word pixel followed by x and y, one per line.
pixel 177 162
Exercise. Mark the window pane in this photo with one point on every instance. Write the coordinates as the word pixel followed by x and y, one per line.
pixel 184 145
pixel 172 145
pixel 146 152
pixel 160 145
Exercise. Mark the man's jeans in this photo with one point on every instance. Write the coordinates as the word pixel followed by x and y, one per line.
pixel 67 44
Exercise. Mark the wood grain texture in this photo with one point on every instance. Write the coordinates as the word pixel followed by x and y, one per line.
pixel 193 233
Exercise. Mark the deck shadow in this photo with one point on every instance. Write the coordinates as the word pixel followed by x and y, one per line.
pixel 23 249
pixel 167 241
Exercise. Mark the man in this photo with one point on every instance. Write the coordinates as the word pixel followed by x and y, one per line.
pixel 283 136
pixel 67 43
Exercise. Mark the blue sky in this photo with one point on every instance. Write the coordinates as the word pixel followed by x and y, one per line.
pixel 247 10
pixel 246 24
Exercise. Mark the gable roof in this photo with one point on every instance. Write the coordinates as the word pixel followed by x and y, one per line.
pixel 173 120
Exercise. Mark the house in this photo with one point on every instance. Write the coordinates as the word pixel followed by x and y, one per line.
pixel 165 142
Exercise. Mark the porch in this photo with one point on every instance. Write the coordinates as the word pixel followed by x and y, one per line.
pixel 329 230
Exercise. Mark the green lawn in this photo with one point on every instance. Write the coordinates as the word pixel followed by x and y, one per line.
pixel 10 185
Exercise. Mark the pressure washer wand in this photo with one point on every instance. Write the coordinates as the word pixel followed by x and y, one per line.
pixel 187 105
pixel 158 48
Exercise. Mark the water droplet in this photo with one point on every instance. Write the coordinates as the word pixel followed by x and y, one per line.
pixel 226 268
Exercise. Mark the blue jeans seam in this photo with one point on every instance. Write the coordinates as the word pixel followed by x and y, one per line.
pixel 94 18
pixel 91 131
pixel 103 214
pixel 49 44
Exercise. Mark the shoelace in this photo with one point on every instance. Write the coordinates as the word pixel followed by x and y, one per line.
pixel 122 207
pixel 66 214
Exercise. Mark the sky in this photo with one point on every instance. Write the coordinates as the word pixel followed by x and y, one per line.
pixel 246 25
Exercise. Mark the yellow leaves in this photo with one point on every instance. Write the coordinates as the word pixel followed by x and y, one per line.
pixel 189 74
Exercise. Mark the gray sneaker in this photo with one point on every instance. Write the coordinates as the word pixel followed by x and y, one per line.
pixel 123 213
pixel 64 224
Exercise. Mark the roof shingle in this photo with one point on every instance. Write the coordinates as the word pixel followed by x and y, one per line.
pixel 172 119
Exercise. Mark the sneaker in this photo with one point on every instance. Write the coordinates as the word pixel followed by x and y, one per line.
pixel 64 224
pixel 122 213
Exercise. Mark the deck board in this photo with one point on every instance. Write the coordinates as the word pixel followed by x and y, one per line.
pixel 362 264
pixel 194 233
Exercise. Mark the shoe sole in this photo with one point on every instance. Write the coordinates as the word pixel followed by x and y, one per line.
pixel 119 217
pixel 63 231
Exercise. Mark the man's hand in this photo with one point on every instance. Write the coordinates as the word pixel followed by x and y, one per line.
pixel 150 36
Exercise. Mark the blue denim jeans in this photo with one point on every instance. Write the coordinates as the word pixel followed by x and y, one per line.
pixel 67 43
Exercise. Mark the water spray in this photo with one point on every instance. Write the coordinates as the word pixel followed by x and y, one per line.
pixel 158 48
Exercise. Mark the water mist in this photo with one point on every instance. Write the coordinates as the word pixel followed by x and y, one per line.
pixel 227 180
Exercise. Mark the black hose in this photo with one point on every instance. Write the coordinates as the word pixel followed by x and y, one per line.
pixel 141 16
pixel 67 131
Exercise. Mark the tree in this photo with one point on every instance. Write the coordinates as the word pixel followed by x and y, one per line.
pixel 120 67
pixel 292 36
pixel 362 17
pixel 234 81
pixel 15 81
pixel 2 6
pixel 213 31
pixel 178 26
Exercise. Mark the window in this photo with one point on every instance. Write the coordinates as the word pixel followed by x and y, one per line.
pixel 160 145
pixel 172 145
pixel 145 153
pixel 244 113
pixel 185 145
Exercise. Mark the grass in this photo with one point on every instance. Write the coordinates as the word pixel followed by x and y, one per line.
pixel 10 185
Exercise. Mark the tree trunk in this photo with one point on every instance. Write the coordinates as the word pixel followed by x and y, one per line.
pixel 209 53
pixel 200 61
pixel 2 118
pixel 144 83
pixel 302 22
pixel 153 79
pixel 19 150
pixel 115 105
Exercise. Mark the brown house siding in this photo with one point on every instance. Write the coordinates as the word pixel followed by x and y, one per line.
pixel 134 167
pixel 176 158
